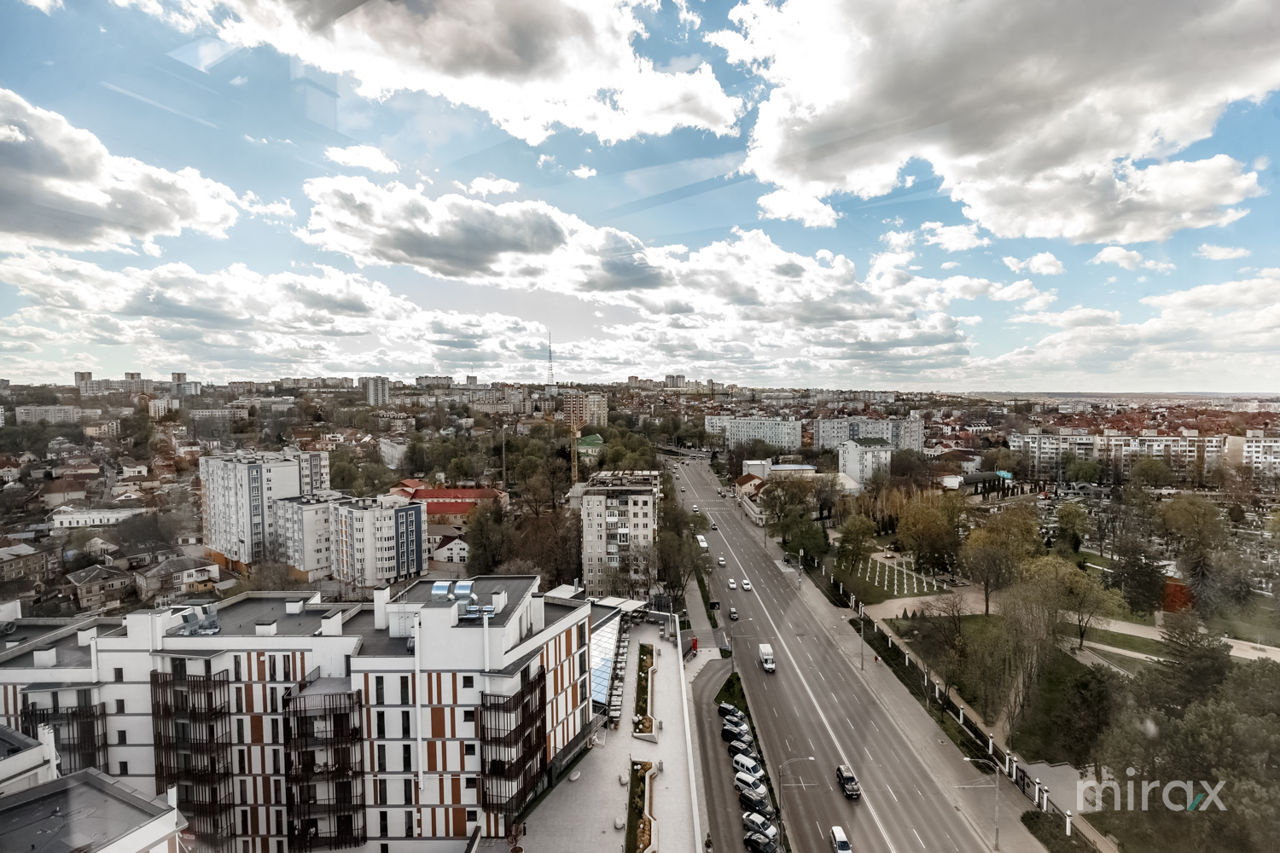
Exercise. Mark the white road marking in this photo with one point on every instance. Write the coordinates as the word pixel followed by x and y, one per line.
pixel 868 752
pixel 892 794
pixel 918 838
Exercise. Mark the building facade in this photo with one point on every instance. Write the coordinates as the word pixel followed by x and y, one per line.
pixel 901 433
pixel 377 391
pixel 780 433
pixel 48 414
pixel 378 540
pixel 619 522
pixel 861 458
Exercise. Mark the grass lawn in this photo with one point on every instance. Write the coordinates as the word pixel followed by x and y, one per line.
pixel 1096 558
pixel 1256 623
pixel 1143 645
pixel 1130 665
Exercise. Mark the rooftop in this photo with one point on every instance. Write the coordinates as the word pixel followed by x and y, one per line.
pixel 482 589
pixel 241 618
pixel 83 812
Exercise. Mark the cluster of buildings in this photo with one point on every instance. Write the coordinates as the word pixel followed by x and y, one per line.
pixel 284 722
pixel 619 512
pixel 1185 451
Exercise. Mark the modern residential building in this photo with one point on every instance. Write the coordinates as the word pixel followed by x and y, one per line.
pixel 619 522
pixel 304 530
pixel 861 458
pixel 162 406
pixel 238 491
pixel 778 432
pixel 48 414
pixel 377 541
pixel 377 391
pixel 1185 452
pixel 290 723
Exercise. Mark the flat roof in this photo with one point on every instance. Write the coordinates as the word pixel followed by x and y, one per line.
pixel 68 651
pixel 374 643
pixel 83 812
pixel 241 618
pixel 13 741
pixel 483 589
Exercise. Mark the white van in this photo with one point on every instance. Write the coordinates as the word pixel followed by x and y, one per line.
pixel 747 782
pixel 766 656
pixel 839 841
pixel 745 764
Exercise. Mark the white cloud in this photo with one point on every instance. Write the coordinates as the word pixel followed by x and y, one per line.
pixel 485 187
pixel 546 160
pixel 238 80
pixel 46 6
pixel 953 238
pixel 1058 150
pixel 1210 252
pixel 1044 263
pixel 583 172
pixel 1130 259
pixel 898 241
pixel 949 265
pixel 60 187
pixel 530 64
pixel 784 204
pixel 271 211
pixel 363 157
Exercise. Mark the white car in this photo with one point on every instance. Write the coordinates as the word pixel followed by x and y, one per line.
pixel 733 584
pixel 720 561
pixel 753 822
pixel 746 584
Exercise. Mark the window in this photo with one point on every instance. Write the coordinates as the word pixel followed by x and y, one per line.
pixel 408 823
pixel 380 723
pixel 469 715
pixel 404 724
pixel 124 768
pixel 119 674
pixel 275 731
pixel 468 681
pixel 406 758
pixel 242 761
pixel 471 815
pixel 382 824
pixel 240 730
pixel 471 782
pixel 236 660
pixel 382 757
pixel 469 749
pixel 404 690
pixel 119 706
pixel 244 792
pixel 378 697
pixel 381 792
pixel 408 790
pixel 239 700
pixel 122 737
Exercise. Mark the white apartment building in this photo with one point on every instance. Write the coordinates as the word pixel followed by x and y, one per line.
pixel 776 431
pixel 1256 450
pixel 303 526
pixel 860 458
pixel 290 724
pixel 238 491
pixel 64 517
pixel 901 433
pixel 377 391
pixel 377 541
pixel 48 414
pixel 162 406
pixel 619 523
pixel 1117 452
pixel 585 409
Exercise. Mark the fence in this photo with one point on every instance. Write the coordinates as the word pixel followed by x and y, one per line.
pixel 982 742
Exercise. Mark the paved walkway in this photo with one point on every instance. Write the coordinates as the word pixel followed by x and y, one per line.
pixel 581 815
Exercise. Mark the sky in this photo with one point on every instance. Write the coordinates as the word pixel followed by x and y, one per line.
pixel 909 194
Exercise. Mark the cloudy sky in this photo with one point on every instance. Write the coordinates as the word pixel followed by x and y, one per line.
pixel 1075 195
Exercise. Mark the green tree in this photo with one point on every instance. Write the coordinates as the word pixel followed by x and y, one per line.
pixel 1151 471
pixel 929 528
pixel 1139 577
pixel 992 553
pixel 1082 471
pixel 1073 526
pixel 489 538
pixel 855 544
pixel 1085 714
pixel 1193 666
pixel 1087 600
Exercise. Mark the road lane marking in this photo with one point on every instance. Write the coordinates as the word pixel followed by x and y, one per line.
pixel 891 793
pixel 918 838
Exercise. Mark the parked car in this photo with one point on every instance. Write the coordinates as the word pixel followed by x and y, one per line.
pixel 737 747
pixel 733 614
pixel 731 733
pixel 757 843
pixel 753 822
pixel 724 709
pixel 747 782
pixel 759 805
pixel 848 782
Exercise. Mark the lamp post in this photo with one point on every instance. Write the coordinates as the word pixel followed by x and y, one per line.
pixel 782 770
pixel 995 787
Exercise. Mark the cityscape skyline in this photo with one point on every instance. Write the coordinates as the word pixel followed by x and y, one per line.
pixel 790 195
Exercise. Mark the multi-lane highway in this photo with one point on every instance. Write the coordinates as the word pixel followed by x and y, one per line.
pixel 818 704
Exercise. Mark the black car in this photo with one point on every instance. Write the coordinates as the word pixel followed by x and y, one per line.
pixel 734 720
pixel 725 709
pixel 757 843
pixel 737 747
pixel 730 733
pixel 759 805
pixel 848 782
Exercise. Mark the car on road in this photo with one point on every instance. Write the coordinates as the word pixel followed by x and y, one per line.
pixel 839 841
pixel 737 747
pixel 757 823
pixel 733 583
pixel 730 733
pixel 758 843
pixel 715 526
pixel 727 710
pixel 759 805
pixel 848 782
pixel 746 584
pixel 747 782
pixel 720 560
pixel 733 614
pixel 683 489
pixel 696 510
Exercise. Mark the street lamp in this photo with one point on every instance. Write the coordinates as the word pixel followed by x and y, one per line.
pixel 995 786
pixel 782 771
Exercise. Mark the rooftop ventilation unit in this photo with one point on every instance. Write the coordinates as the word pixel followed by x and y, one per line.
pixel 488 610
pixel 462 589
pixel 439 590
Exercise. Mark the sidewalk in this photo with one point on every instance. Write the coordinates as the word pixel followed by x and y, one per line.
pixel 584 813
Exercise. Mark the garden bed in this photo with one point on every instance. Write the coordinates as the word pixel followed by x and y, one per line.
pixel 644 725
pixel 639 828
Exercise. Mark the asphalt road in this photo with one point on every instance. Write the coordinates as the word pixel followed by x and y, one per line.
pixel 817 711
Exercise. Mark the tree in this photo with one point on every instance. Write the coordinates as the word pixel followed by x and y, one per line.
pixel 855 544
pixel 1137 574
pixel 1194 664
pixel 992 553
pixel 1082 471
pixel 1073 526
pixel 490 538
pixel 929 529
pixel 1084 596
pixel 1151 471
pixel 826 494
pixel 1085 713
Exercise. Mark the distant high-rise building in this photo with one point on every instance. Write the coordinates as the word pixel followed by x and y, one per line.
pixel 83 376
pixel 433 381
pixel 585 409
pixel 377 391
pixel 177 378
pixel 619 522
pixel 861 458
pixel 132 377
pixel 471 382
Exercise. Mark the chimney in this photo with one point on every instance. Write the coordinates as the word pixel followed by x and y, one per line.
pixel 331 623
pixel 294 606
pixel 381 598
pixel 85 635
pixel 265 628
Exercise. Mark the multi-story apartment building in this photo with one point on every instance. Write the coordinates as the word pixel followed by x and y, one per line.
pixel 1254 449
pixel 433 381
pixel 861 458
pixel 292 724
pixel 776 431
pixel 1186 452
pixel 585 409
pixel 303 528
pixel 377 391
pixel 162 406
pixel 239 489
pixel 378 540
pixel 901 433
pixel 48 414
pixel 619 522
